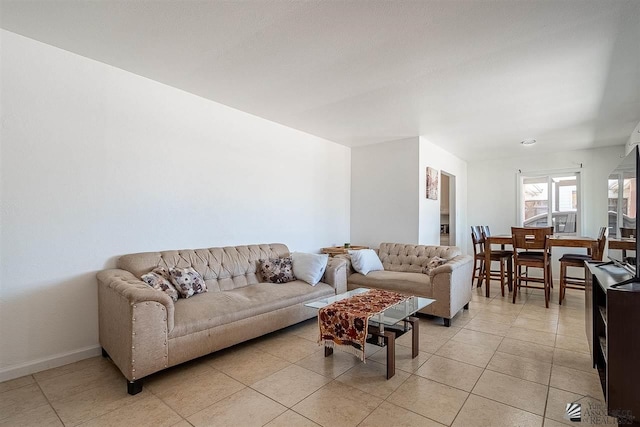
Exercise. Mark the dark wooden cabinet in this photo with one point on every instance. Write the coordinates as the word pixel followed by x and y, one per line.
pixel 612 319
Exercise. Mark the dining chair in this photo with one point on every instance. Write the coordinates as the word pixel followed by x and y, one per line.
pixel 577 261
pixel 531 250
pixel 479 257
pixel 486 232
pixel 626 233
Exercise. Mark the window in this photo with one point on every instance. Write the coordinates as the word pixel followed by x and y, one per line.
pixel 622 204
pixel 551 200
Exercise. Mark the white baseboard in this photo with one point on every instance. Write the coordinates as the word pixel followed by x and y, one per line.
pixel 27 368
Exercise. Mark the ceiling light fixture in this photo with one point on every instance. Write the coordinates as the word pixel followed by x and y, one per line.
pixel 528 142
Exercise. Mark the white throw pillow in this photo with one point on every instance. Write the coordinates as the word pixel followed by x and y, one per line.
pixel 309 267
pixel 365 260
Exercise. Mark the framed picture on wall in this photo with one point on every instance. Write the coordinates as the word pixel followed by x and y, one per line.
pixel 432 183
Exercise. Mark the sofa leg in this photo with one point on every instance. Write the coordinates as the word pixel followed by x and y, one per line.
pixel 134 387
pixel 466 306
pixel 447 322
pixel 105 354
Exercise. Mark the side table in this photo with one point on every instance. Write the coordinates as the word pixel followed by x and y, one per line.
pixel 338 250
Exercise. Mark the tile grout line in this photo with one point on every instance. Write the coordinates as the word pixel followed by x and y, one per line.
pixel 383 400
pixel 474 386
pixel 506 404
pixel 208 406
pixel 150 390
pixel 412 411
pixel 296 412
pixel 120 408
pixel 48 402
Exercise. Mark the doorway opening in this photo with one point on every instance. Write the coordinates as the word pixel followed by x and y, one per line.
pixel 447 209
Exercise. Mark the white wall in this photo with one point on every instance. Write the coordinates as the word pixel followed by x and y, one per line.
pixel 97 162
pixel 493 187
pixel 384 185
pixel 388 193
pixel 634 139
pixel 436 157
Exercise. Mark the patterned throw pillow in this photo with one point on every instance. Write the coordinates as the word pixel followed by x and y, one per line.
pixel 159 279
pixel 433 264
pixel 277 270
pixel 187 281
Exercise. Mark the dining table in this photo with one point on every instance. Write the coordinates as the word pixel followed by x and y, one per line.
pixel 626 244
pixel 589 243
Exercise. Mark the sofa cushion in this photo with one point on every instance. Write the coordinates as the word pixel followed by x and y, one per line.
pixel 309 267
pixel 217 308
pixel 434 263
pixel 413 258
pixel 277 270
pixel 407 283
pixel 222 269
pixel 160 280
pixel 187 281
pixel 365 260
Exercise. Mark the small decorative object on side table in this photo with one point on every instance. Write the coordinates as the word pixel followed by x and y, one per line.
pixel 338 250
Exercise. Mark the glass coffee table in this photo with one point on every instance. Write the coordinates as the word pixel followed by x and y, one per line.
pixel 387 325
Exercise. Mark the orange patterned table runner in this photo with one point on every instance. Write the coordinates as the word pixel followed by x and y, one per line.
pixel 345 322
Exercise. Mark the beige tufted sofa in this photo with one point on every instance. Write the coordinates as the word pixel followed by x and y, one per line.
pixel 404 266
pixel 143 331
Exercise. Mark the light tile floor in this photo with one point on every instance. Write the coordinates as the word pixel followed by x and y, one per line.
pixel 499 364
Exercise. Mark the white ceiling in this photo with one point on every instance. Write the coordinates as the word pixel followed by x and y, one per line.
pixel 475 77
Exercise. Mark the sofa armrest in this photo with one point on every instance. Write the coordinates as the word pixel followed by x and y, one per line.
pixel 453 264
pixel 134 323
pixel 336 274
pixel 347 258
pixel 135 290
pixel 452 283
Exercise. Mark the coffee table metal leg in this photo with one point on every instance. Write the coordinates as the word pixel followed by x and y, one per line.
pixel 415 336
pixel 390 340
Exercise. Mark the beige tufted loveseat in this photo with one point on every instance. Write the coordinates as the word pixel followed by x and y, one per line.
pixel 404 272
pixel 143 331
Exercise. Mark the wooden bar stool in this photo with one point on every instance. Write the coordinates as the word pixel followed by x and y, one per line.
pixel 577 261
pixel 503 257
pixel 626 233
pixel 531 249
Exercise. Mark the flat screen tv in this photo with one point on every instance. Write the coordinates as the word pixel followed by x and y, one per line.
pixel 623 206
